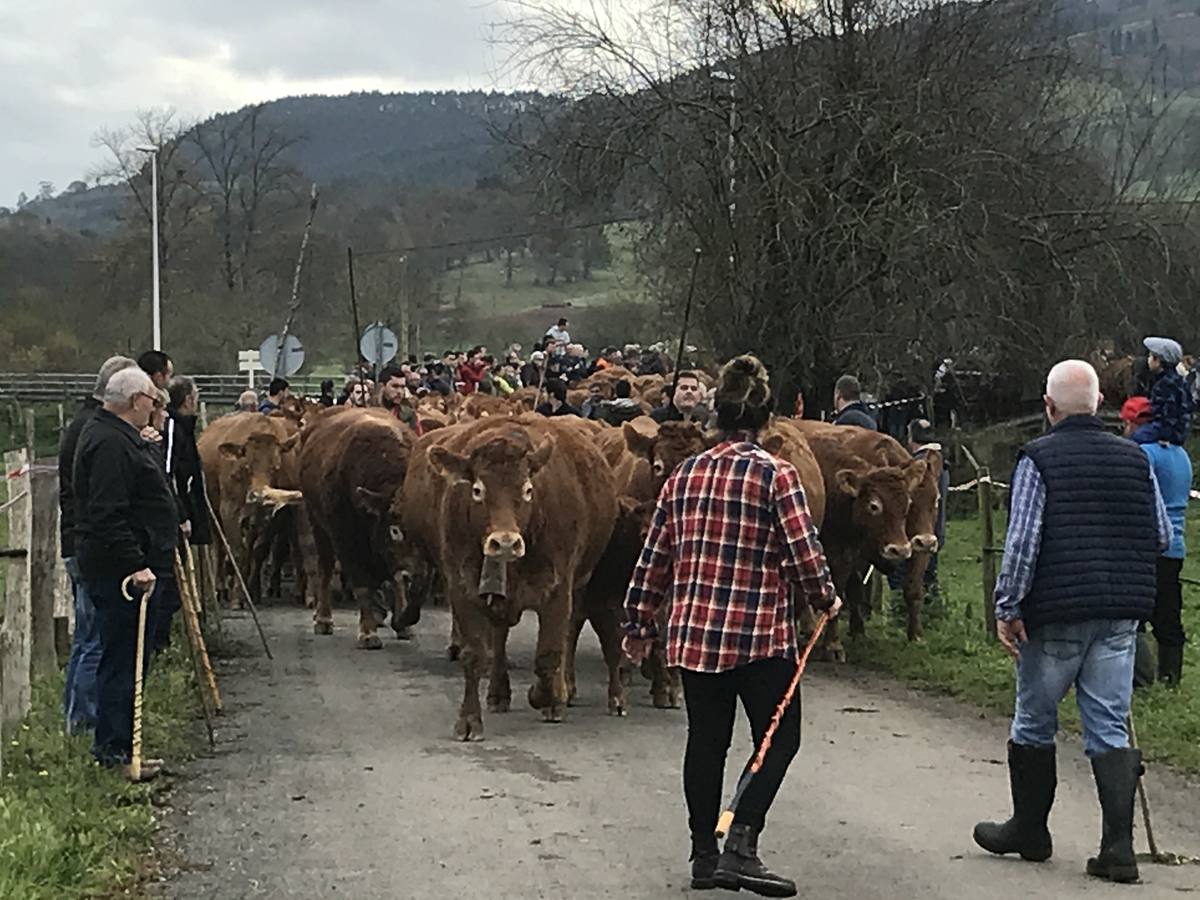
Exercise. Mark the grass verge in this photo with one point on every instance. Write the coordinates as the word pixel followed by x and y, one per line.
pixel 69 829
pixel 957 657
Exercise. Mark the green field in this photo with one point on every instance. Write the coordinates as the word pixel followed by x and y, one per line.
pixel 957 657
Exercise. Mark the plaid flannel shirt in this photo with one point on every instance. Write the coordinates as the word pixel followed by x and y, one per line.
pixel 730 540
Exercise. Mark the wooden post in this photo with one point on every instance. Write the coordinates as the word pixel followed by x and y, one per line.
pixel 43 585
pixel 31 432
pixel 988 548
pixel 203 415
pixel 15 644
pixel 62 421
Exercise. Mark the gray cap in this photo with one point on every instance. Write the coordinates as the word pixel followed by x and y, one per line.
pixel 111 367
pixel 1165 349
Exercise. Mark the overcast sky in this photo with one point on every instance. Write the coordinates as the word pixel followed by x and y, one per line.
pixel 70 67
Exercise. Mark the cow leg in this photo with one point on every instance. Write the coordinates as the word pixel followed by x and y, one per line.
pixel 231 522
pixel 323 614
pixel 914 594
pixel 454 648
pixel 665 690
pixel 577 622
pixel 307 573
pixel 549 692
pixel 474 629
pixel 369 619
pixel 608 630
pixel 499 695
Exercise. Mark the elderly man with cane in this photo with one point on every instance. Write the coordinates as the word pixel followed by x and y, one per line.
pixel 126 526
pixel 731 549
pixel 1085 529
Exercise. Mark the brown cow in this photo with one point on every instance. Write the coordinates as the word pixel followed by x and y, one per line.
pixel 352 470
pixel 866 512
pixel 242 455
pixel 525 508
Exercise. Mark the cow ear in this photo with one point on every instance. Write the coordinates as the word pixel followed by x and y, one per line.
pixel 612 453
pixel 290 444
pixel 232 451
pixel 637 441
pixel 914 474
pixel 541 455
pixel 449 464
pixel 848 482
pixel 773 444
pixel 372 502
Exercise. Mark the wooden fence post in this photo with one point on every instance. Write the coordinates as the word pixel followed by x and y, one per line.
pixel 31 432
pixel 203 415
pixel 15 633
pixel 43 558
pixel 988 548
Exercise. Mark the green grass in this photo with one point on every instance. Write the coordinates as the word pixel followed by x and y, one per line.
pixel 959 659
pixel 70 829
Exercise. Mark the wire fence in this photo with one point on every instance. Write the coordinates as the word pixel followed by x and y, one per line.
pixel 52 387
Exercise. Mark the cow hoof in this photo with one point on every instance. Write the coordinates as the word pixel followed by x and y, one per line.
pixel 616 707
pixel 403 633
pixel 322 628
pixel 540 700
pixel 369 642
pixel 453 652
pixel 469 728
pixel 665 701
pixel 553 714
pixel 499 704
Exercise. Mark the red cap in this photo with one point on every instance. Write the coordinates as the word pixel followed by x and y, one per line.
pixel 1137 410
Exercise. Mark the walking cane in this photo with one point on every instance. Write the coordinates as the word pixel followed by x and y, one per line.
pixel 135 762
pixel 1156 856
pixel 206 682
pixel 725 822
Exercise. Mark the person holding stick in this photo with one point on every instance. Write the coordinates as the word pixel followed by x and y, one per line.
pixel 126 525
pixel 1086 525
pixel 731 549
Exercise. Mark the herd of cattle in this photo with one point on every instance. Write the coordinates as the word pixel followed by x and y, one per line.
pixel 500 510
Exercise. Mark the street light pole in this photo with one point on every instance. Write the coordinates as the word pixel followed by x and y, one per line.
pixel 157 304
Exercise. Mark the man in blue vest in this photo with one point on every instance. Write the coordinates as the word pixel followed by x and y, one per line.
pixel 1086 526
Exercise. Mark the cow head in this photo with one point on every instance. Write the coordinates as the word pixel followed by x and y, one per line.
pixel 383 511
pixel 499 473
pixel 257 462
pixel 921 524
pixel 674 443
pixel 880 499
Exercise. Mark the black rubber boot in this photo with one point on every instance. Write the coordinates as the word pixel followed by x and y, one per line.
pixel 1032 776
pixel 1170 665
pixel 739 867
pixel 1116 774
pixel 704 861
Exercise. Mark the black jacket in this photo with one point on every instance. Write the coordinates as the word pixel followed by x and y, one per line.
pixel 618 412
pixel 856 414
pixel 565 409
pixel 187 475
pixel 672 413
pixel 125 513
pixel 66 475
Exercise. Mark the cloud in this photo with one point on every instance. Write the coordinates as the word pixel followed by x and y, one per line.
pixel 68 68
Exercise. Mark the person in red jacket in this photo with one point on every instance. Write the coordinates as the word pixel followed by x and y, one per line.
pixel 473 371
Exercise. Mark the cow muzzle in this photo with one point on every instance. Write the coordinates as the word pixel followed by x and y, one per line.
pixel 504 546
pixel 895 552
pixel 925 543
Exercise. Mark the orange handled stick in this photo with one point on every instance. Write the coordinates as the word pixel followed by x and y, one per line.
pixel 726 819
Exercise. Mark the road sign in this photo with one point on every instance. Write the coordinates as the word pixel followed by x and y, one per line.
pixel 379 344
pixel 293 355
pixel 249 361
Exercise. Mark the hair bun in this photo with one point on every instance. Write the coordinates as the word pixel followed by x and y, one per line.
pixel 743 381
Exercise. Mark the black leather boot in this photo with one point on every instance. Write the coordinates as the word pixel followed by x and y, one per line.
pixel 704 861
pixel 1032 776
pixel 1116 774
pixel 1170 665
pixel 739 867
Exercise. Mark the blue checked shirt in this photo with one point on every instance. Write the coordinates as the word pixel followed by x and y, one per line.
pixel 1025 536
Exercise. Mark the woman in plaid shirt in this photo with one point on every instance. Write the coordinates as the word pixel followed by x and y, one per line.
pixel 730 546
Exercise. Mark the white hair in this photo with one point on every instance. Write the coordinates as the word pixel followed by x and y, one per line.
pixel 1074 387
pixel 111 366
pixel 124 385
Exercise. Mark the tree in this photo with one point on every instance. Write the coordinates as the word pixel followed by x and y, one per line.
pixel 45 190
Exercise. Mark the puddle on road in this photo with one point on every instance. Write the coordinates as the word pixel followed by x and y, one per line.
pixel 513 760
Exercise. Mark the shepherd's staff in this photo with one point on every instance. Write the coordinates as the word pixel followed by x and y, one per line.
pixel 135 760
pixel 687 317
pixel 1163 857
pixel 205 679
pixel 726 820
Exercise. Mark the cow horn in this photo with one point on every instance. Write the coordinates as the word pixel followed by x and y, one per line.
pixel 277 498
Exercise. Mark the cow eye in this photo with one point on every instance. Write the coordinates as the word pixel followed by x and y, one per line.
pixel 527 491
pixel 875 506
pixel 396 534
pixel 658 467
pixel 478 492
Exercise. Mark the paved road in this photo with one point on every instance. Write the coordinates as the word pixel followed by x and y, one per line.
pixel 336 776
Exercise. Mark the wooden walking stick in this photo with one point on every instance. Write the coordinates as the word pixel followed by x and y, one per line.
pixel 135 761
pixel 1157 856
pixel 205 677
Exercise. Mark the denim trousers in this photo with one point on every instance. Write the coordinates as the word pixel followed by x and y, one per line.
pixel 1095 656
pixel 79 695
pixel 117 620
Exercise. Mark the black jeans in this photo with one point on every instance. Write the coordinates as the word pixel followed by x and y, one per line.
pixel 1168 604
pixel 166 598
pixel 711 701
pixel 117 620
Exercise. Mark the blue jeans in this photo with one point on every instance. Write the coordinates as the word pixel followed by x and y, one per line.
pixel 1097 658
pixel 79 696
